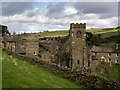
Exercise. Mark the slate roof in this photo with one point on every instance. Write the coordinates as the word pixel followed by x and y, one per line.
pixel 105 49
pixel 9 38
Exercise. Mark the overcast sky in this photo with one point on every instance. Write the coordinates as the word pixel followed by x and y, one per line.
pixel 41 16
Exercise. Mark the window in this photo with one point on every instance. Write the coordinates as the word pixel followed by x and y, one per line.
pixel 109 60
pixel 109 54
pixel 95 53
pixel 116 54
pixel 78 62
pixel 34 53
pixel 78 34
pixel 24 39
pixel 94 58
pixel 116 61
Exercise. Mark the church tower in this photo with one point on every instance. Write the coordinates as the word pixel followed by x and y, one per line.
pixel 79 58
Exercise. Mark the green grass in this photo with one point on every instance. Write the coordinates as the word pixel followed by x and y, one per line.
pixel 109 34
pixel 21 74
pixel 52 34
pixel 109 76
pixel 61 33
pixel 111 44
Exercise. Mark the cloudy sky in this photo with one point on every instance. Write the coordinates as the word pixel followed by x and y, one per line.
pixel 41 16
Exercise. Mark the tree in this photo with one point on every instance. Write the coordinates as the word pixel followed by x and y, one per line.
pixel 93 39
pixel 118 27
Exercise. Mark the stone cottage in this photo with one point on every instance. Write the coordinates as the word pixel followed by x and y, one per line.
pixel 100 54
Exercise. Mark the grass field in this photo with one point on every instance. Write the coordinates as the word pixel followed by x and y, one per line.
pixel 21 74
pixel 52 34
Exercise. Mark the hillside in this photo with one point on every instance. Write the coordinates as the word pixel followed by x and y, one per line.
pixel 104 32
pixel 21 74
pixel 107 34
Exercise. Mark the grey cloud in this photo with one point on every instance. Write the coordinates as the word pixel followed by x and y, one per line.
pixel 104 9
pixel 55 9
pixel 11 8
pixel 96 7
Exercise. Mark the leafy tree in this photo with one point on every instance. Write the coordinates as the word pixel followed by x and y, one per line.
pixel 89 37
pixel 93 39
pixel 118 27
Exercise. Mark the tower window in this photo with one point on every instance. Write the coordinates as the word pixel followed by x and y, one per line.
pixel 34 52
pixel 117 55
pixel 116 61
pixel 78 34
pixel 78 62
pixel 109 54
pixel 109 60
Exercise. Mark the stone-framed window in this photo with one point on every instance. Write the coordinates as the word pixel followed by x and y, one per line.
pixel 78 62
pixel 95 53
pixel 24 38
pixel 116 54
pixel 117 61
pixel 109 60
pixel 94 57
pixel 79 34
pixel 109 54
pixel 34 52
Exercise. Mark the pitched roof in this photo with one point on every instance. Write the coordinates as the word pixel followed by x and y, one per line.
pixel 9 38
pixel 104 49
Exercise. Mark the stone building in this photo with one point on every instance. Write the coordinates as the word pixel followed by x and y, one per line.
pixel 84 57
pixel 9 42
pixel 3 32
pixel 21 44
pixel 104 54
pixel 27 45
pixel 48 49
pixel 79 58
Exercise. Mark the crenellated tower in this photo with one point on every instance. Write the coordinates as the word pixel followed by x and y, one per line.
pixel 79 58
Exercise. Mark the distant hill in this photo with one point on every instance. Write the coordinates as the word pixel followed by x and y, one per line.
pixel 104 32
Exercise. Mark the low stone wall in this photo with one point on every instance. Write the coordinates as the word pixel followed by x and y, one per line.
pixel 90 81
